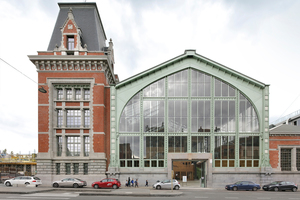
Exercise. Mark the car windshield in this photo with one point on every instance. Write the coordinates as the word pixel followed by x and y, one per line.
pixel 36 178
pixel 79 179
pixel 275 182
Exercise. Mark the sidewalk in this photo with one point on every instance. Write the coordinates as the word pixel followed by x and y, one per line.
pixel 89 191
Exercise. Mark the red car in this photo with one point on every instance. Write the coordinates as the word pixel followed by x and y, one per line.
pixel 107 183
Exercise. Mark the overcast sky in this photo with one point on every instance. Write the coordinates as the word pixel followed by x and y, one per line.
pixel 257 38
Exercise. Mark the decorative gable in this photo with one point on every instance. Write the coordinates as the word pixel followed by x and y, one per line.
pixel 71 37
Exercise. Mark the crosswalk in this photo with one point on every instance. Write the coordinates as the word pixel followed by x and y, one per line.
pixel 44 196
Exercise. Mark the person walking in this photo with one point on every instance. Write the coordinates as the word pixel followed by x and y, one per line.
pixel 136 183
pixel 146 183
pixel 132 182
pixel 128 182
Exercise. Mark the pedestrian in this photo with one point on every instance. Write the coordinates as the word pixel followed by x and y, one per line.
pixel 146 183
pixel 128 182
pixel 132 182
pixel 136 183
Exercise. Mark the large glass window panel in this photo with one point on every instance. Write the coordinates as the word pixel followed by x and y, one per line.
pixel 86 145
pixel 87 118
pixel 285 159
pixel 69 94
pixel 73 146
pixel 60 94
pixel 200 116
pixel 249 151
pixel 178 84
pixel 129 121
pixel 224 151
pixel 154 116
pixel 177 144
pixel 248 120
pixel 59 118
pixel 77 94
pixel 177 117
pixel 59 145
pixel 129 150
pixel 222 89
pixel 73 118
pixel 153 150
pixel 156 89
pixel 200 144
pixel 200 84
pixel 225 116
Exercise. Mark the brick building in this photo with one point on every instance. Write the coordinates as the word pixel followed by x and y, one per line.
pixel 74 75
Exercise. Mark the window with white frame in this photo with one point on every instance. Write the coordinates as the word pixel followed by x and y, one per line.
pixel 73 118
pixel 60 94
pixel 86 145
pixel 69 94
pixel 77 94
pixel 86 94
pixel 86 118
pixel 59 118
pixel 73 146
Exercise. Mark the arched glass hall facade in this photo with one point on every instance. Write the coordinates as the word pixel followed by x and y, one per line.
pixel 188 112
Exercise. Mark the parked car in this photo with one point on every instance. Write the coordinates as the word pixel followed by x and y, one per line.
pixel 27 180
pixel 107 183
pixel 167 184
pixel 280 185
pixel 243 185
pixel 69 182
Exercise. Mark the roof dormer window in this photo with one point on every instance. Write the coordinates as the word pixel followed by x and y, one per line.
pixel 71 42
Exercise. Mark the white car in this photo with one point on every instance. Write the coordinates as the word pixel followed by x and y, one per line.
pixel 27 180
pixel 167 184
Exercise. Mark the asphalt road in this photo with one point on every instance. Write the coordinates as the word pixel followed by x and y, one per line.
pixel 194 194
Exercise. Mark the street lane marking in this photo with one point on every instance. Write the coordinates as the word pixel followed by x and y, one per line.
pixel 231 198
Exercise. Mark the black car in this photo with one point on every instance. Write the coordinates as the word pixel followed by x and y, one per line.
pixel 280 185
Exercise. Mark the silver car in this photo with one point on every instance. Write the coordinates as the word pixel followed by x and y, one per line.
pixel 27 180
pixel 69 182
pixel 167 184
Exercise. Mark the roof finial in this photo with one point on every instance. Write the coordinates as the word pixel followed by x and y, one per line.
pixel 70 13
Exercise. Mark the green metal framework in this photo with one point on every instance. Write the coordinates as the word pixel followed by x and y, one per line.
pixel 255 92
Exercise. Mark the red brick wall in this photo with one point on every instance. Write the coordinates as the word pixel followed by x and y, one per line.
pixel 72 104
pixel 43 119
pixel 43 143
pixel 72 131
pixel 275 142
pixel 98 143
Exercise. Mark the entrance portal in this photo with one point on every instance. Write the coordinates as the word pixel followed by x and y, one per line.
pixel 193 169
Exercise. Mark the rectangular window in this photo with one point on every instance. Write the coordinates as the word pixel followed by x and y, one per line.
pixel 224 116
pixel 86 118
pixel 71 42
pixel 60 94
pixel 59 118
pixel 85 168
pixel 298 159
pixel 68 168
pixel 86 94
pixel 69 94
pixel 200 144
pixel 76 168
pixel 178 84
pixel 73 146
pixel 77 94
pixel 285 159
pixel 59 145
pixel 57 167
pixel 86 145
pixel 224 151
pixel 177 116
pixel 177 144
pixel 200 116
pixel 73 118
pixel 249 151
pixel 154 116
pixel 129 151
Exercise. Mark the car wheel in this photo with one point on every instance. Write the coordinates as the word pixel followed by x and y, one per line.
pixel 75 185
pixel 176 187
pixel 158 187
pixel 234 188
pixel 96 186
pixel 276 189
pixel 294 189
pixel 27 183
pixel 115 187
pixel 55 185
pixel 7 184
pixel 254 189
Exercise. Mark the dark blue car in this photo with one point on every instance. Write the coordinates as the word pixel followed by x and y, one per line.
pixel 243 185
